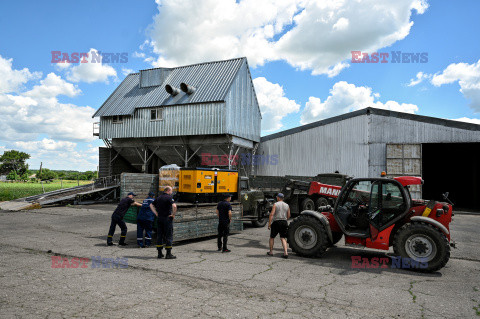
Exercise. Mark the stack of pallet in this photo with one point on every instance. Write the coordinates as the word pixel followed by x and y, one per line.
pixel 195 220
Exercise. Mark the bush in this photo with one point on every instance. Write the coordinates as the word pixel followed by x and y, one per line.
pixel 46 174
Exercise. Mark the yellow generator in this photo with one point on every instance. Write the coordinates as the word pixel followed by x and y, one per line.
pixel 206 184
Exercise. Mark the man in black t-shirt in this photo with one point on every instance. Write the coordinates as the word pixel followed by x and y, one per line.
pixel 165 208
pixel 117 219
pixel 224 213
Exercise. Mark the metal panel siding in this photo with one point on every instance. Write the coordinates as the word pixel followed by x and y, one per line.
pixel 192 119
pixel 386 129
pixel 341 146
pixel 211 80
pixel 153 77
pixel 243 117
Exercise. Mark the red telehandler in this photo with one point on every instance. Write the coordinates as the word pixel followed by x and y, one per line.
pixel 376 213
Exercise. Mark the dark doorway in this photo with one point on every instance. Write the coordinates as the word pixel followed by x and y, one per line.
pixel 453 168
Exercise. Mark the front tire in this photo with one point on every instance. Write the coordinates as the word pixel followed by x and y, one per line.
pixel 422 243
pixel 307 236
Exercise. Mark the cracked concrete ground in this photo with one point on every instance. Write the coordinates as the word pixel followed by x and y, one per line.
pixel 205 283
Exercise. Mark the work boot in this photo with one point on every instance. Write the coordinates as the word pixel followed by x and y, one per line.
pixel 169 255
pixel 122 244
pixel 109 244
pixel 122 241
pixel 160 254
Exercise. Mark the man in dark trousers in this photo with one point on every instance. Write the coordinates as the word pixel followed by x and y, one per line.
pixel 117 219
pixel 165 208
pixel 224 213
pixel 145 220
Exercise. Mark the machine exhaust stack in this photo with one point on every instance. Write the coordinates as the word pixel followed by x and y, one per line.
pixel 172 90
pixel 187 88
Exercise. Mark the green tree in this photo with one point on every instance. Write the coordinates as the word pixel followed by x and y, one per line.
pixel 12 176
pixel 46 174
pixel 14 161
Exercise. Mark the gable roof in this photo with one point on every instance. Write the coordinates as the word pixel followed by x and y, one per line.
pixel 211 80
pixel 371 110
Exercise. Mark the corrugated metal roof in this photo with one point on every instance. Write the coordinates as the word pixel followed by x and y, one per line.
pixel 211 80
pixel 375 111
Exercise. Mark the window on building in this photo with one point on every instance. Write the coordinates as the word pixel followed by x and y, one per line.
pixel 156 114
pixel 117 119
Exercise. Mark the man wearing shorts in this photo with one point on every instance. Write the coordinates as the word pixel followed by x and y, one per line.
pixel 277 223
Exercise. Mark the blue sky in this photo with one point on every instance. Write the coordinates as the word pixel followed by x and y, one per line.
pixel 292 48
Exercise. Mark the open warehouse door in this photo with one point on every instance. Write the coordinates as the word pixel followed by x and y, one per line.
pixel 453 168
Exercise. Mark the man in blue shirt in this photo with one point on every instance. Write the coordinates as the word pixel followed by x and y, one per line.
pixel 145 220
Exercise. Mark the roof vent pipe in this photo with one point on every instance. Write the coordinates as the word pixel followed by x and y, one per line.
pixel 171 90
pixel 187 88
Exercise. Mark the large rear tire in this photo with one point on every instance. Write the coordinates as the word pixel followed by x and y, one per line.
pixel 423 243
pixel 307 236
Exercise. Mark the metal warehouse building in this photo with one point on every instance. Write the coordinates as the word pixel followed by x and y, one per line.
pixel 366 142
pixel 173 115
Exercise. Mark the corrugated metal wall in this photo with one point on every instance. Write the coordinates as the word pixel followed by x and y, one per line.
pixel 341 146
pixel 243 117
pixel 191 119
pixel 393 130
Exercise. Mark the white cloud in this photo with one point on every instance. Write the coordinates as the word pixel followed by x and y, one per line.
pixel 27 115
pixel 419 79
pixel 345 97
pixel 274 106
pixel 93 71
pixel 308 34
pixel 12 80
pixel 46 145
pixel 468 77
pixel 468 120
pixel 126 71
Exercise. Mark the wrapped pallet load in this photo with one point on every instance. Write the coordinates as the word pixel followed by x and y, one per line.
pixel 169 175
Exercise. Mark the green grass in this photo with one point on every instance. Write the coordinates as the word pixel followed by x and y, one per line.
pixel 9 191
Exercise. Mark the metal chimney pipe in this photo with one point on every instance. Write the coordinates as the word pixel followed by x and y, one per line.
pixel 171 90
pixel 187 88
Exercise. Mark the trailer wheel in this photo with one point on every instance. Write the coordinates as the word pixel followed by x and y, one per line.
pixel 307 236
pixel 322 201
pixel 308 204
pixel 422 243
pixel 260 222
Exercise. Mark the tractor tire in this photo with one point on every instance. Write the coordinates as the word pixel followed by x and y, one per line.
pixel 322 201
pixel 307 236
pixel 336 236
pixel 307 204
pixel 260 222
pixel 424 243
